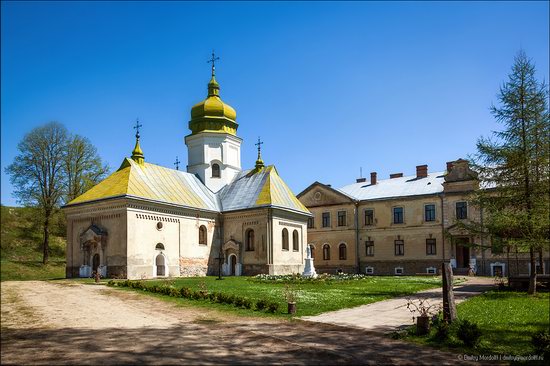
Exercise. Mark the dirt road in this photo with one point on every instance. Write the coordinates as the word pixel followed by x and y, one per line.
pixel 72 323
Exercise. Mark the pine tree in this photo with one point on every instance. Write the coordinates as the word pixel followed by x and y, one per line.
pixel 514 164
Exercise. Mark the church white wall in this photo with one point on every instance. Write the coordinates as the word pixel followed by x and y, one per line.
pixel 109 216
pixel 197 259
pixel 288 261
pixel 207 148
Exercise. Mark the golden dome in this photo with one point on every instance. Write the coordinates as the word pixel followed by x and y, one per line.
pixel 212 114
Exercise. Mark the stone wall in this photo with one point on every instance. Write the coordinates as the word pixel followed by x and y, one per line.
pixel 410 268
pixel 190 267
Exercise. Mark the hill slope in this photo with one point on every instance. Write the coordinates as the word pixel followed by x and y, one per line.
pixel 21 245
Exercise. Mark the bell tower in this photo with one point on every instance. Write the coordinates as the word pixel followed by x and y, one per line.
pixel 213 147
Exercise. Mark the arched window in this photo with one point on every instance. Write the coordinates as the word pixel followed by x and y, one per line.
pixel 215 171
pixel 312 247
pixel 250 240
pixel 326 252
pixel 202 235
pixel 342 251
pixel 159 246
pixel 295 241
pixel 285 239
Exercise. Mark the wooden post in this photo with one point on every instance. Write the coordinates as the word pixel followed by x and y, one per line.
pixel 449 306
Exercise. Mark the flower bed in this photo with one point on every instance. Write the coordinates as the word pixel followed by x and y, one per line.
pixel 293 278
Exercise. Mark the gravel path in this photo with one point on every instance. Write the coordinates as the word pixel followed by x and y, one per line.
pixel 72 323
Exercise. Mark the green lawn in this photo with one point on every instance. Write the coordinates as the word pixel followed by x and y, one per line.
pixel 507 320
pixel 31 270
pixel 314 298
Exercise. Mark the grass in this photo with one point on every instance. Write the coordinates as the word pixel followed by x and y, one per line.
pixel 507 320
pixel 21 246
pixel 313 298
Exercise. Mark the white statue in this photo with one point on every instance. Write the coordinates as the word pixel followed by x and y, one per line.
pixel 309 268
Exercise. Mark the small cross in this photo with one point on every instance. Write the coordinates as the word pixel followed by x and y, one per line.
pixel 177 163
pixel 136 127
pixel 213 62
pixel 259 144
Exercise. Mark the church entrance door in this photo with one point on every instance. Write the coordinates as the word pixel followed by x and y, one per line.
pixel 159 261
pixel 232 264
pixel 95 262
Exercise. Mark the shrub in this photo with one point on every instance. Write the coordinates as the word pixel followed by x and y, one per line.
pixel 238 301
pixel 261 304
pixel 110 283
pixel 541 343
pixel 468 333
pixel 185 292
pixel 175 292
pixel 230 299
pixel 441 331
pixel 272 307
pixel 247 303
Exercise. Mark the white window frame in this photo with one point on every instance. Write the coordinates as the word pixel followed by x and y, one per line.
pixel 431 269
pixel 495 264
pixel 369 270
pixel 395 271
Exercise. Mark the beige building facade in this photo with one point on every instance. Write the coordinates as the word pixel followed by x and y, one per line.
pixel 405 225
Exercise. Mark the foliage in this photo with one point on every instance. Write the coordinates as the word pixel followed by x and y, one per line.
pixel 261 304
pixel 49 163
pixel 290 293
pixel 541 343
pixel 441 331
pixel 507 320
pixel 514 164
pixel 297 278
pixel 468 332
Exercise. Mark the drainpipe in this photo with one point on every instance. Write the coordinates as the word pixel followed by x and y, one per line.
pixel 442 226
pixel 356 223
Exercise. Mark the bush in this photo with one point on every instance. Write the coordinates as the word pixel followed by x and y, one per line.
pixel 441 331
pixel 238 301
pixel 175 292
pixel 261 304
pixel 247 303
pixel 110 283
pixel 541 343
pixel 468 333
pixel 272 307
pixel 230 299
pixel 185 292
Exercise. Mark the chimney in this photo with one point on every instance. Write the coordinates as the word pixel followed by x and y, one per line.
pixel 373 178
pixel 361 180
pixel 396 175
pixel 421 171
pixel 449 166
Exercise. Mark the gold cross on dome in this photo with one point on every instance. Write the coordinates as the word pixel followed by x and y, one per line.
pixel 137 127
pixel 213 62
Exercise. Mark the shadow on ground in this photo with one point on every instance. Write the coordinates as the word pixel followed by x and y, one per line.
pixel 212 343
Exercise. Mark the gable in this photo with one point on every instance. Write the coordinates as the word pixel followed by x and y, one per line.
pixel 319 194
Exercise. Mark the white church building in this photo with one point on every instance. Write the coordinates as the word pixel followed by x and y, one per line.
pixel 146 220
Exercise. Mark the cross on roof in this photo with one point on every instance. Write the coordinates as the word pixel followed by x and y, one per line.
pixel 259 144
pixel 137 127
pixel 177 163
pixel 213 62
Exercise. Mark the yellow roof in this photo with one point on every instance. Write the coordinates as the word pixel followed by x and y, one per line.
pixel 152 182
pixel 259 188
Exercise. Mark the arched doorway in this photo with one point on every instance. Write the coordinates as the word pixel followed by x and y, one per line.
pixel 160 264
pixel 232 264
pixel 95 262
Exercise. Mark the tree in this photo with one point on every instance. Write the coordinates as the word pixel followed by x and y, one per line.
pixel 515 164
pixel 83 166
pixel 37 172
pixel 53 167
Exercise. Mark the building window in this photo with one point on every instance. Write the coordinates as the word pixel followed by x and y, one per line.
pixel 398 215
pixel 312 247
pixel 369 217
pixel 399 247
pixel 285 239
pixel 326 252
pixel 311 223
pixel 430 247
pixel 326 219
pixel 215 171
pixel 295 241
pixel 431 270
pixel 429 213
pixel 370 248
pixel 160 225
pixel 398 270
pixel 249 240
pixel 341 218
pixel 461 210
pixel 159 246
pixel 342 252
pixel 202 235
pixel 369 270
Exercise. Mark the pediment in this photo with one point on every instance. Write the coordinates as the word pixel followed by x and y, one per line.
pixel 319 194
pixel 92 234
pixel 231 244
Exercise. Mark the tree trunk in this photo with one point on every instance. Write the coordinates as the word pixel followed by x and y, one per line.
pixel 541 262
pixel 46 240
pixel 533 274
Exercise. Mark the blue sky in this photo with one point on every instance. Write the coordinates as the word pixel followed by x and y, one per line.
pixel 329 86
